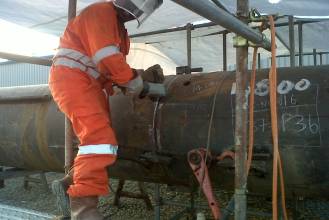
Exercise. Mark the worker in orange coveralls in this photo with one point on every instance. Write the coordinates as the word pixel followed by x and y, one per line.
pixel 91 57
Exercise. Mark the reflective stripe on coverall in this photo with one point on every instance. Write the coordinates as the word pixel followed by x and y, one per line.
pixel 94 44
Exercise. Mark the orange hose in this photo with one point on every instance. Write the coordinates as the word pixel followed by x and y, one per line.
pixel 251 104
pixel 274 123
pixel 283 193
pixel 251 110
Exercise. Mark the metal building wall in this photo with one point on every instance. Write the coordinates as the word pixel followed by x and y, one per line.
pixel 308 60
pixel 19 74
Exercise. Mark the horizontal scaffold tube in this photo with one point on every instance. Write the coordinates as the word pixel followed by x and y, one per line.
pixel 212 12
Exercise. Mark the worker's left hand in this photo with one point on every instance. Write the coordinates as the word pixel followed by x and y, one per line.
pixel 106 84
pixel 153 74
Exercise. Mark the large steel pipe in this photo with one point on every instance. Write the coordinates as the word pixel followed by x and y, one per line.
pixel 26 59
pixel 155 137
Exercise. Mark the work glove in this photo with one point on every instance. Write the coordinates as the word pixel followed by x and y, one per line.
pixel 153 74
pixel 133 87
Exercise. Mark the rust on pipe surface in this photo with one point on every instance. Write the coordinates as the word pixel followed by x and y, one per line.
pixel 32 131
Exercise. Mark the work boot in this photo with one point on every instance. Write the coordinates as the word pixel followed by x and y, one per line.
pixel 85 208
pixel 59 188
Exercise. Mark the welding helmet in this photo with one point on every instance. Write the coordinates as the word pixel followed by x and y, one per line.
pixel 140 9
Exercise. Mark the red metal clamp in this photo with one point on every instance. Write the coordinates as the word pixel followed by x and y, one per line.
pixel 197 160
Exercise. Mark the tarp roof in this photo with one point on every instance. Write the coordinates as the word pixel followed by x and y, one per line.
pixel 50 16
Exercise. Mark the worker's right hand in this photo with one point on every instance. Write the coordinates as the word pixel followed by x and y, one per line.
pixel 133 87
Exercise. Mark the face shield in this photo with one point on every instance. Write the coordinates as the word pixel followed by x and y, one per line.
pixel 140 9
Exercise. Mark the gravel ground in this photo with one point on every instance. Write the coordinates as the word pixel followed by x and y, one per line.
pixel 37 198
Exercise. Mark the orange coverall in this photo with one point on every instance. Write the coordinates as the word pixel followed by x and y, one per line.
pixel 92 48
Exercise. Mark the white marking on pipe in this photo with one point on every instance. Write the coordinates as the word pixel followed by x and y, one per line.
pixel 302 85
pixel 233 90
pixel 285 87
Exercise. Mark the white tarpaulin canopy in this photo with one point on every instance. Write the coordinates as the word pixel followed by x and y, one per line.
pixel 51 16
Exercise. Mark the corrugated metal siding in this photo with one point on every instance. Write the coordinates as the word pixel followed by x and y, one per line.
pixel 285 61
pixel 308 60
pixel 19 74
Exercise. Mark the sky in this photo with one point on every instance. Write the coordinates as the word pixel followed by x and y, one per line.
pixel 24 41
